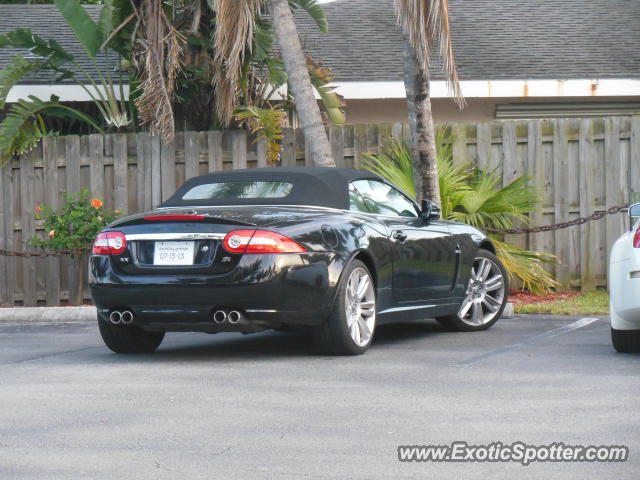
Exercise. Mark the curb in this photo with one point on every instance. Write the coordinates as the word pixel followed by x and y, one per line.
pixel 48 314
pixel 509 311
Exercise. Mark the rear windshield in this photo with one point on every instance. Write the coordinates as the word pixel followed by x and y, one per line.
pixel 238 190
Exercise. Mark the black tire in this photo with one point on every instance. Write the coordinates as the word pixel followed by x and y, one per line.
pixel 129 338
pixel 453 322
pixel 626 341
pixel 332 337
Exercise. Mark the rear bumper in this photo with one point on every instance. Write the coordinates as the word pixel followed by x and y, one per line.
pixel 270 291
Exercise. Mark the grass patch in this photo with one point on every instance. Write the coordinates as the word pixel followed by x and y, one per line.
pixel 593 303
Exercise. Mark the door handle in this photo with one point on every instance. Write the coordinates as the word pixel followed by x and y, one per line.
pixel 400 236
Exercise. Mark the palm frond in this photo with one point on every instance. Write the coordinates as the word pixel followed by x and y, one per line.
pixel 527 266
pixel 13 72
pixel 161 62
pixel 395 164
pixel 83 26
pixel 332 102
pixel 233 40
pixel 267 123
pixel 423 21
pixel 23 126
pixel 314 9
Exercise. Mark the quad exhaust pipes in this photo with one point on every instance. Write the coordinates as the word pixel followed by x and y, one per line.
pixel 124 318
pixel 220 316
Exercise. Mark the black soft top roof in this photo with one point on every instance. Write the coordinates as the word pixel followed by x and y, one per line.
pixel 316 186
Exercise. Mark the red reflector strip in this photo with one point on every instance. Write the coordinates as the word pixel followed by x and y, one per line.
pixel 173 218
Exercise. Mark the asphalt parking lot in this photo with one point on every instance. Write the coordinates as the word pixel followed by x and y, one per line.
pixel 267 406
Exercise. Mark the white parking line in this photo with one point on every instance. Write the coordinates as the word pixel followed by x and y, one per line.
pixel 583 322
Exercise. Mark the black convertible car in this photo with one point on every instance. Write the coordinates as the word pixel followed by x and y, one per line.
pixel 337 251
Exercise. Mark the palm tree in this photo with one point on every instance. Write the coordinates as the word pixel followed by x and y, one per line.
pixel 233 38
pixel 295 63
pixel 422 22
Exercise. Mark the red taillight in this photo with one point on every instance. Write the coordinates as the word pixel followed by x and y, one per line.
pixel 109 243
pixel 260 241
pixel 636 239
pixel 173 218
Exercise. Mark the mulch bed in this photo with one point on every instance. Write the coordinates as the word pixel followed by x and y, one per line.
pixel 519 297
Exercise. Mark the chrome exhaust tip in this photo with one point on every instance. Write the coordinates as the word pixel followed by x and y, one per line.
pixel 115 317
pixel 220 316
pixel 235 316
pixel 127 317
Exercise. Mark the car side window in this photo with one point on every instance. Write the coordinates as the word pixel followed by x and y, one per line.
pixel 356 202
pixel 383 199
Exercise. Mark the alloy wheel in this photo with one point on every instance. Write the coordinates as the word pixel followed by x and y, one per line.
pixel 485 293
pixel 360 307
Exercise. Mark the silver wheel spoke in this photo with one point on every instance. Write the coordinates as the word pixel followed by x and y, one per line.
pixel 476 314
pixel 484 269
pixel 364 328
pixel 466 305
pixel 494 283
pixel 352 287
pixel 367 312
pixel 362 287
pixel 492 304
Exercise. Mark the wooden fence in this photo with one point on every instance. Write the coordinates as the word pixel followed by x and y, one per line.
pixel 580 166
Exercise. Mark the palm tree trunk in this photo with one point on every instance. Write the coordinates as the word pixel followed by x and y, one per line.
pixel 423 133
pixel 296 65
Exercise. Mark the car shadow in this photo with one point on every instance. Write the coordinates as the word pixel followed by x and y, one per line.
pixel 272 344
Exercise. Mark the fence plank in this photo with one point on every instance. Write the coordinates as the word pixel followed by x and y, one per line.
pixel 168 169
pixel 72 172
pixel 513 168
pixel 288 154
pixel 460 149
pixel 191 155
pixel 215 153
pixel 385 137
pixel 261 153
pixel 7 203
pixel 4 281
pixel 483 144
pixel 96 165
pixel 336 137
pixel 535 169
pixel 613 192
pixel 50 160
pixel 561 203
pixel 360 148
pixel 239 149
pixel 143 164
pixel 587 205
pixel 120 177
pixel 28 205
pixel 634 155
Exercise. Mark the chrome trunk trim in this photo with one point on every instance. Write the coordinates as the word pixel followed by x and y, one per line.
pixel 174 236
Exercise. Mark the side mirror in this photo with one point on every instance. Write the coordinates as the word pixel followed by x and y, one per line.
pixel 634 214
pixel 431 211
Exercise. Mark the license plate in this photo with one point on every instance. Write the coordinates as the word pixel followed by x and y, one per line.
pixel 173 253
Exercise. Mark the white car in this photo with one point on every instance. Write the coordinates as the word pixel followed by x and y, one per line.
pixel 624 287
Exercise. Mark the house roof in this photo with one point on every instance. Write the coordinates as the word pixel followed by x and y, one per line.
pixel 47 22
pixel 492 39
